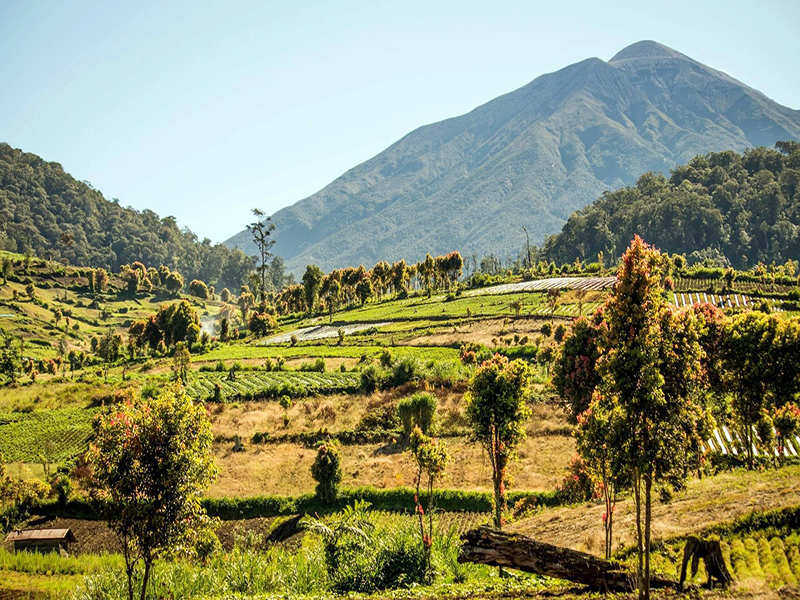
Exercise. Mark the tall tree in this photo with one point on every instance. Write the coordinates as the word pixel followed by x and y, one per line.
pixel 261 230
pixel 650 367
pixel 312 280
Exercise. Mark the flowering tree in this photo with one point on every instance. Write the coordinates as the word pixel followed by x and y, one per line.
pixel 497 410
pixel 152 460
pixel 574 374
pixel 650 368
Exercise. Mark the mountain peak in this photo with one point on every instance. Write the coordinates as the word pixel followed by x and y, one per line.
pixel 645 49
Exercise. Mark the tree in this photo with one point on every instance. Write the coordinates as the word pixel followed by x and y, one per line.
pixel 651 371
pixel 151 462
pixel 6 269
pixel 595 438
pixel 496 411
pixel 553 295
pixel 327 471
pixel 748 352
pixel 312 280
pixel 182 361
pixel 174 283
pixel 261 324
pixel 198 289
pixel 430 458
pixel 261 230
pixel 9 356
pixel 574 372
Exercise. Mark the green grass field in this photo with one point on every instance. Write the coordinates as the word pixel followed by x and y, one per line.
pixel 57 435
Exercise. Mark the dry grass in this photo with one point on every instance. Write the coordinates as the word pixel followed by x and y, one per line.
pixel 286 468
pixel 705 502
pixel 483 332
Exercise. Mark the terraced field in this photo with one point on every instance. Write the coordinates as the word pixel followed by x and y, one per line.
pixel 58 435
pixel 249 385
pixel 772 559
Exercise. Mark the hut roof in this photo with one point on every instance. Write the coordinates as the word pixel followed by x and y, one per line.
pixel 35 535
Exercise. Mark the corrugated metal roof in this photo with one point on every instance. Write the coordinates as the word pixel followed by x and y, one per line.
pixel 41 534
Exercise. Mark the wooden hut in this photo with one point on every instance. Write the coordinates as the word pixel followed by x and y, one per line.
pixel 42 541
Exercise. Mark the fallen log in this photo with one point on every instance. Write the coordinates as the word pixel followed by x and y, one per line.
pixel 488 546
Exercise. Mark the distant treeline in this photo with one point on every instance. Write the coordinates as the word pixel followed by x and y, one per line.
pixel 724 208
pixel 46 212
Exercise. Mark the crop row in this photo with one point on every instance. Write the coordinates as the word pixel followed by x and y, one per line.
pixel 774 559
pixel 53 435
pixel 252 385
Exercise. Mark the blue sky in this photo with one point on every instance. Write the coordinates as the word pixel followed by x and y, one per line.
pixel 203 110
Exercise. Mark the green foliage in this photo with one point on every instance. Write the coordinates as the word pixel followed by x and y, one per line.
pixel 327 471
pixel 105 233
pixel 262 385
pixel 61 434
pixel 721 208
pixel 417 411
pixel 496 411
pixel 152 460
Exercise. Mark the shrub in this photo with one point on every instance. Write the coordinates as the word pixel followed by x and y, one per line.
pixel 316 366
pixel 327 471
pixel 381 417
pixel 419 410
pixel 546 329
pixel 406 369
pixel 577 485
pixel 559 333
pixel 372 378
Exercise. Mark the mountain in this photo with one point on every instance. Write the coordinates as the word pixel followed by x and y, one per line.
pixel 725 207
pixel 39 202
pixel 528 158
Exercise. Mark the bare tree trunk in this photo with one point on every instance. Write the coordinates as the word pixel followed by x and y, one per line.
pixel 647 520
pixel 497 548
pixel 146 578
pixel 637 498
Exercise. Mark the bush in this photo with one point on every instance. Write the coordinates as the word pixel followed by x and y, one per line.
pixel 577 485
pixel 372 378
pixel 406 369
pixel 546 329
pixel 382 417
pixel 559 333
pixel 327 471
pixel 419 410
pixel 316 366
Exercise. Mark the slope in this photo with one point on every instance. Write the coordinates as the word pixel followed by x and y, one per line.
pixel 528 158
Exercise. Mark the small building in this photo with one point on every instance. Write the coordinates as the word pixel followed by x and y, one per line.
pixel 43 541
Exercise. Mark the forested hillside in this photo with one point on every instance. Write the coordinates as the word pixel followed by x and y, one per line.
pixel 732 208
pixel 39 203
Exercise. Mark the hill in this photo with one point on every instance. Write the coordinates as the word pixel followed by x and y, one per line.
pixel 730 208
pixel 528 158
pixel 39 202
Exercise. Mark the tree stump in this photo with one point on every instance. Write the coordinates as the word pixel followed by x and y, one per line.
pixel 497 548
pixel 711 553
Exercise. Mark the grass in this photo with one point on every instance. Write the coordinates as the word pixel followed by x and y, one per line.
pixel 324 350
pixel 262 384
pixel 285 469
pixel 705 502
pixel 57 435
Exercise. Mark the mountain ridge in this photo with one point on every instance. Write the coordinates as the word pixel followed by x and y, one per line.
pixel 527 158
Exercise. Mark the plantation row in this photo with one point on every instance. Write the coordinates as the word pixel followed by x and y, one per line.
pixel 55 435
pixel 254 385
pixel 774 559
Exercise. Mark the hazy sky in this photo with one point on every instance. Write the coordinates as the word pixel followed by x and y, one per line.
pixel 204 110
